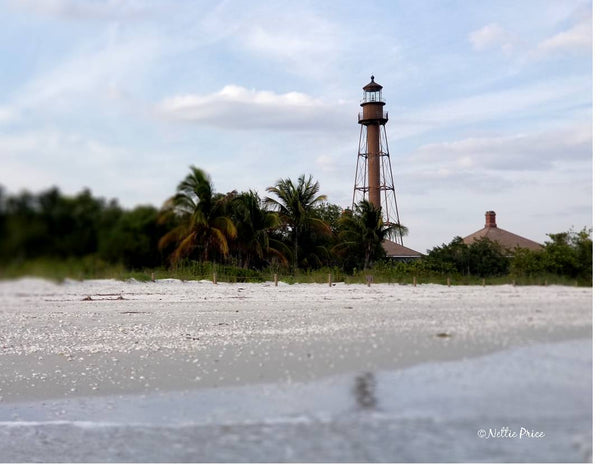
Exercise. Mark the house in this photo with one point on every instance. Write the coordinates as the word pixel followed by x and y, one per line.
pixel 504 238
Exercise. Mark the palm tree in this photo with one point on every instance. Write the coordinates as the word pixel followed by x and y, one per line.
pixel 201 227
pixel 361 233
pixel 295 205
pixel 253 223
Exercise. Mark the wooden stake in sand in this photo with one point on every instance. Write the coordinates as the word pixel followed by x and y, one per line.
pixel 275 279
pixel 448 281
pixel 214 278
pixel 414 281
pixel 152 277
pixel 329 279
pixel 369 280
pixel 483 282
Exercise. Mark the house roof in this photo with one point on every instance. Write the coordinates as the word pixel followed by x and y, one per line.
pixel 503 237
pixel 395 250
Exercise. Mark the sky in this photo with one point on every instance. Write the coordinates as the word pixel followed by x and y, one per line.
pixel 490 102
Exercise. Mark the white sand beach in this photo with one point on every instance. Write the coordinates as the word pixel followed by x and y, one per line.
pixel 191 371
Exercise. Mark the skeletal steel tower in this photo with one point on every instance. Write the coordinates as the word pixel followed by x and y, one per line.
pixel 373 178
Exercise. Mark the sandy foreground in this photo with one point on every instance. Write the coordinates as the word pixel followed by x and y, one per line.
pixel 287 366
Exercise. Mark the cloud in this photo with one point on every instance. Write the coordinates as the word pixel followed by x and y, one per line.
pixel 327 163
pixel 76 9
pixel 492 36
pixel 236 107
pixel 97 74
pixel 7 114
pixel 576 38
pixel 39 159
pixel 298 40
pixel 301 41
pixel 56 147
pixel 501 105
pixel 451 181
pixel 522 152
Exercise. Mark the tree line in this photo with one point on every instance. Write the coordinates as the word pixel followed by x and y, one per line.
pixel 292 228
pixel 566 254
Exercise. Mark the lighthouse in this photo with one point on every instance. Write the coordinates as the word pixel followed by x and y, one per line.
pixel 373 179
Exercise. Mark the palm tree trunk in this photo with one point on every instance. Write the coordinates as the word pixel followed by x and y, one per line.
pixel 367 256
pixel 295 251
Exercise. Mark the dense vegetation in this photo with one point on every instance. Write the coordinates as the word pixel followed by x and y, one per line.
pixel 293 232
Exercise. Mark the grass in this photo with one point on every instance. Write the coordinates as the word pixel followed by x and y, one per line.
pixel 91 267
pixel 59 270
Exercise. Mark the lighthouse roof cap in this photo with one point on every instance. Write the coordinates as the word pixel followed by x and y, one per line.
pixel 372 86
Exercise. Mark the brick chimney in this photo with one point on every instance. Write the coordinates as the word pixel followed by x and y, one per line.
pixel 490 219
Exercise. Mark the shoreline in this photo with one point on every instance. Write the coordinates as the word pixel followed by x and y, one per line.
pixel 461 407
pixel 140 338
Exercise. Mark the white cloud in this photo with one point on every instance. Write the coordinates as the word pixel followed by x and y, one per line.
pixel 492 36
pixel 520 152
pixel 327 163
pixel 236 107
pixel 451 181
pixel 7 114
pixel 293 38
pixel 93 73
pixel 77 9
pixel 515 175
pixel 576 38
pixel 498 105
pixel 39 159
pixel 298 40
pixel 57 148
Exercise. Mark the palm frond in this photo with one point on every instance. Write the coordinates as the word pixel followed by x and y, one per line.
pixel 185 247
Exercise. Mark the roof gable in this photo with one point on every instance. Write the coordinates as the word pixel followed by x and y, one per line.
pixel 504 238
pixel 395 250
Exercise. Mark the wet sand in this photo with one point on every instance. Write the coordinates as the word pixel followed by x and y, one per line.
pixel 80 339
pixel 525 404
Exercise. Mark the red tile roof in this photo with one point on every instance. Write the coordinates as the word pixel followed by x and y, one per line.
pixel 395 250
pixel 505 238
